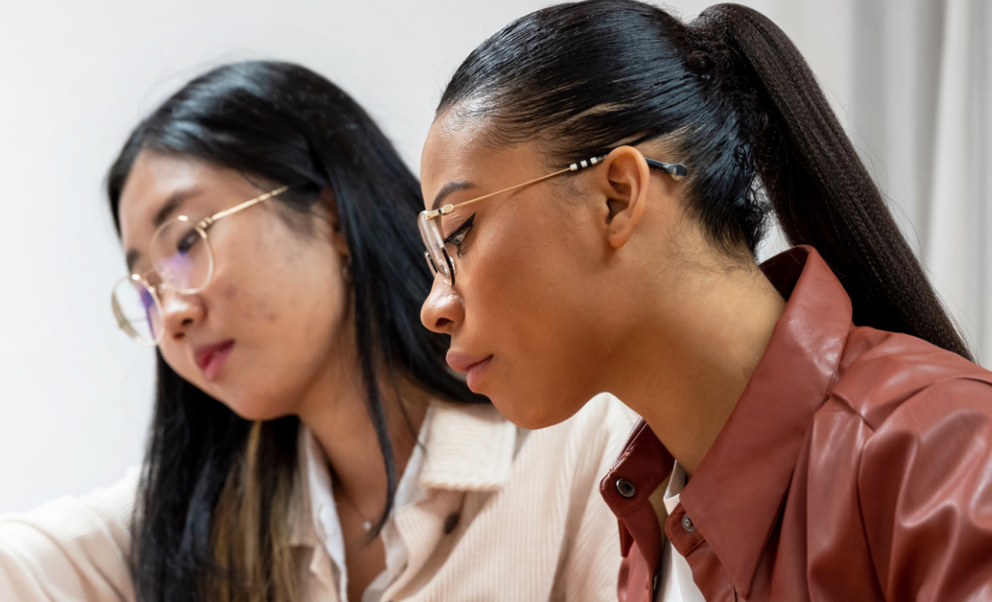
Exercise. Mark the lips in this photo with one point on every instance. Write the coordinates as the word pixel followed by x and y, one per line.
pixel 461 362
pixel 472 366
pixel 210 358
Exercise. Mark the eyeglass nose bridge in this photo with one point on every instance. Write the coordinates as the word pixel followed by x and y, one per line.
pixel 159 286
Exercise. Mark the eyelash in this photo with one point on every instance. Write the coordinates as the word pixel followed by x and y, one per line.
pixel 457 238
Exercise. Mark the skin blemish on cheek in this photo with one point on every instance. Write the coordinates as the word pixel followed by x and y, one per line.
pixel 260 310
pixel 230 291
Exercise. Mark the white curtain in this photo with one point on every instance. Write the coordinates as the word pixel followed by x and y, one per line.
pixel 921 96
pixel 956 244
pixel 912 80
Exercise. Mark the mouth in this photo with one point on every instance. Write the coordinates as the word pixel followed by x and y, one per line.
pixel 210 358
pixel 472 366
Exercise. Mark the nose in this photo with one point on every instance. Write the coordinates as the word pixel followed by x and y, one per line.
pixel 443 310
pixel 179 313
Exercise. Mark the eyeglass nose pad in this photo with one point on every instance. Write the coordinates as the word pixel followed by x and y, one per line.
pixel 430 263
pixel 450 265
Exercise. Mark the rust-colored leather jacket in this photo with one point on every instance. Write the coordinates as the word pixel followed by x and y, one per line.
pixel 857 465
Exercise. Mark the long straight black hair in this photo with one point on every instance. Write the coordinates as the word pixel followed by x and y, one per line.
pixel 736 102
pixel 286 124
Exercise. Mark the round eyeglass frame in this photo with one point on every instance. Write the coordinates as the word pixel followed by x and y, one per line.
pixel 154 290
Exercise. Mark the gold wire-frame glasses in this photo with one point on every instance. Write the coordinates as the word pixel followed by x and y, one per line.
pixel 437 255
pixel 183 262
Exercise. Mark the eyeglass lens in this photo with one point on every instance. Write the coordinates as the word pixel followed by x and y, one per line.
pixel 137 310
pixel 181 255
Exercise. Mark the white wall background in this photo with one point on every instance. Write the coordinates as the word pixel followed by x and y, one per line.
pixel 75 394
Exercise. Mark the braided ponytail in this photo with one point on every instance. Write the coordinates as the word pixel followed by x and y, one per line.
pixel 819 188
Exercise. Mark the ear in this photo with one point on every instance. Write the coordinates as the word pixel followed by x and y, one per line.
pixel 338 239
pixel 623 182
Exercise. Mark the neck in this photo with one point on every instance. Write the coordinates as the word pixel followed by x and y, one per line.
pixel 338 417
pixel 689 359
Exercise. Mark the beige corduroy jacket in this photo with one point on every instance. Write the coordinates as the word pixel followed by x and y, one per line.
pixel 509 515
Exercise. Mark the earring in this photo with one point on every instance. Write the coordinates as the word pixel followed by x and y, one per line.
pixel 346 268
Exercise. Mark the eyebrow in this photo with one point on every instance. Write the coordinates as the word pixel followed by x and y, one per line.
pixel 175 200
pixel 448 189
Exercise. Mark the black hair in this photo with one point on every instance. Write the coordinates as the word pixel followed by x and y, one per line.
pixel 286 124
pixel 732 98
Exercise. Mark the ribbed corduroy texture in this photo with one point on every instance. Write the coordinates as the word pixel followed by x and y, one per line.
pixel 509 516
pixel 70 549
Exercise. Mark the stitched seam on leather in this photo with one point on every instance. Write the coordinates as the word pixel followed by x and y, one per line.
pixel 861 510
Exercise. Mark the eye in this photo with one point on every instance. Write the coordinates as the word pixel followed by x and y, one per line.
pixel 187 241
pixel 457 238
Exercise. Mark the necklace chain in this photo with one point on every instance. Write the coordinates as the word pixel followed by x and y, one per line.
pixel 366 524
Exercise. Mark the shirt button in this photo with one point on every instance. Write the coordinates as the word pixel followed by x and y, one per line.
pixel 687 524
pixel 625 488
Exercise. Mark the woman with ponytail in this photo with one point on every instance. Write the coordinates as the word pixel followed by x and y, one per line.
pixel 596 182
pixel 307 441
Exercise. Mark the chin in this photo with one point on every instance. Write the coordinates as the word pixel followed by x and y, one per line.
pixel 255 407
pixel 532 413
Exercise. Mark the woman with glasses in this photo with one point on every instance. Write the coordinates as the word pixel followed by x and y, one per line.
pixel 308 442
pixel 814 429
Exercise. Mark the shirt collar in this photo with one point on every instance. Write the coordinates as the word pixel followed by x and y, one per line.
pixel 738 491
pixel 736 494
pixel 469 448
pixel 311 491
pixel 465 448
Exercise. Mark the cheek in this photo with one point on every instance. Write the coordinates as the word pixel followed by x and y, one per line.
pixel 179 357
pixel 283 277
pixel 529 285
pixel 231 297
pixel 302 304
pixel 532 306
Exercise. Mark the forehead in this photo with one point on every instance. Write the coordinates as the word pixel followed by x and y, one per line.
pixel 458 150
pixel 452 145
pixel 155 178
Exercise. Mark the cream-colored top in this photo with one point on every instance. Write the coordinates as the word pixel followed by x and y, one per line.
pixel 326 522
pixel 506 515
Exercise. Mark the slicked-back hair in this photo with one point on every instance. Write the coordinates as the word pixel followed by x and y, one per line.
pixel 734 100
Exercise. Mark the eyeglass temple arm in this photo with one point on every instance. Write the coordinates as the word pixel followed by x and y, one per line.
pixel 676 170
pixel 205 222
pixel 446 209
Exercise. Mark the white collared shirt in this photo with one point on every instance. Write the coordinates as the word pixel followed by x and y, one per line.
pixel 505 515
pixel 677 584
pixel 327 525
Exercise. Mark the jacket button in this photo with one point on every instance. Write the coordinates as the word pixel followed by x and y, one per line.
pixel 687 524
pixel 626 488
pixel 451 522
pixel 655 581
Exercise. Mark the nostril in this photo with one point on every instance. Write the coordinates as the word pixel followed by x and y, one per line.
pixel 443 322
pixel 187 322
